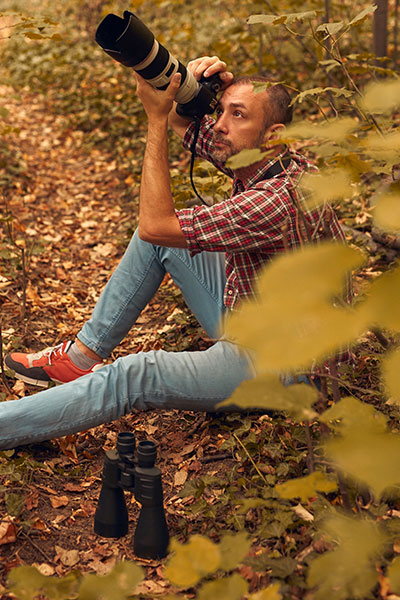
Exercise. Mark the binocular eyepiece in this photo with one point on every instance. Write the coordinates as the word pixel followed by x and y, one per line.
pixel 123 470
pixel 131 43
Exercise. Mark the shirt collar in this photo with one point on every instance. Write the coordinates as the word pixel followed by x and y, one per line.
pixel 239 185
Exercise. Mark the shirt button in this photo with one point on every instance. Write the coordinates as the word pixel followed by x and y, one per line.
pixel 230 292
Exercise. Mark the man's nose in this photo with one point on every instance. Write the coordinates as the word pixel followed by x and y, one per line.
pixel 221 125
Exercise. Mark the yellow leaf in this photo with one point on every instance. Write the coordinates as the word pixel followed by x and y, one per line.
pixel 270 593
pixel 391 376
pixel 266 391
pixel 244 158
pixel 333 131
pixel 192 561
pixel 382 96
pixel 299 322
pixel 326 186
pixel 306 487
pixel 382 306
pixel 348 571
pixel 387 212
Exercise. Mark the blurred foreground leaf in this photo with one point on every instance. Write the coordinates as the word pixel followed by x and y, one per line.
pixel 266 391
pixel 348 571
pixel 295 299
pixel 117 585
pixel 192 561
pixel 306 487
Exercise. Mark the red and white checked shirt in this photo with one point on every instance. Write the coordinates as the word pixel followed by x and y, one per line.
pixel 259 220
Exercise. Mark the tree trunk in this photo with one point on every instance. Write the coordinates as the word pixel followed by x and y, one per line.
pixel 380 28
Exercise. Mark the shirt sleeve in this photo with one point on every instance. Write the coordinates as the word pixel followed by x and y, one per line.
pixel 250 221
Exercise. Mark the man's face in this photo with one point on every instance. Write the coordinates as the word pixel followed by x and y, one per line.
pixel 240 121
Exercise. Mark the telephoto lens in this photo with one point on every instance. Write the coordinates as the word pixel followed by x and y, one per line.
pixel 131 43
pixel 128 41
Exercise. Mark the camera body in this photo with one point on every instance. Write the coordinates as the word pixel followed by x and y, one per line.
pixel 128 41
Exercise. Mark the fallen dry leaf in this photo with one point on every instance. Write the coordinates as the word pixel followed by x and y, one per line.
pixel 69 558
pixel 8 533
pixel 180 477
pixel 59 501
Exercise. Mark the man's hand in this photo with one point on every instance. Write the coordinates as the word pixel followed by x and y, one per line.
pixel 157 103
pixel 207 66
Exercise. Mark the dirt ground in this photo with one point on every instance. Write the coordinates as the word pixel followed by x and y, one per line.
pixel 71 211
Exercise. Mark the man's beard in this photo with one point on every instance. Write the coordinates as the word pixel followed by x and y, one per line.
pixel 222 154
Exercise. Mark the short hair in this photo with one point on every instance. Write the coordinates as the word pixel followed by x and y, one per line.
pixel 278 108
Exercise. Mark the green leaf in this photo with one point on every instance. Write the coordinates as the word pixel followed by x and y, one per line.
pixel 306 487
pixel 387 212
pixel 348 571
pixel 391 376
pixel 228 588
pixel 119 584
pixel 270 593
pixel 363 14
pixel 244 158
pixel 267 391
pixel 382 96
pixel 14 503
pixel 192 561
pixel 294 295
pixel 233 548
pixel 326 186
pixel 281 567
pixel 393 574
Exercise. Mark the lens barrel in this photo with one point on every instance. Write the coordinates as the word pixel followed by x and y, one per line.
pixel 131 43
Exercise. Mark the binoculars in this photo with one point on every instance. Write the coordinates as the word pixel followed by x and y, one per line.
pixel 123 470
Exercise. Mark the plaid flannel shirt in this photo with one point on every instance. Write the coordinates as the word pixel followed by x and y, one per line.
pixel 262 218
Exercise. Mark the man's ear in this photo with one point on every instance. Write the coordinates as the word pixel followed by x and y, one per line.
pixel 273 132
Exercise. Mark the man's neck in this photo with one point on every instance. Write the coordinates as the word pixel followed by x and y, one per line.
pixel 245 173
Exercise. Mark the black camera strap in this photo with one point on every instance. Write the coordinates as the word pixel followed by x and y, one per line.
pixel 276 168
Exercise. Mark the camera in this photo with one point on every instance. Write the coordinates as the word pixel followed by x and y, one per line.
pixel 130 42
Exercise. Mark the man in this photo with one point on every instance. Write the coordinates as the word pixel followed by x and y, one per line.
pixel 212 253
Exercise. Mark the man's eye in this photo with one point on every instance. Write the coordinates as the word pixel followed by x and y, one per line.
pixel 238 113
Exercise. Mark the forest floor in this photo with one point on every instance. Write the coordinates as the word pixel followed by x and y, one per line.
pixel 71 210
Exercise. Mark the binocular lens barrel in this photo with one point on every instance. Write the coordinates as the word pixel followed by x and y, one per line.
pixel 131 43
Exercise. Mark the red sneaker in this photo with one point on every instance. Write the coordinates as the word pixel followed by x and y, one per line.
pixel 51 364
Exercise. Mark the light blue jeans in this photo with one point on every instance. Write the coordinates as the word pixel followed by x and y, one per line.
pixel 147 380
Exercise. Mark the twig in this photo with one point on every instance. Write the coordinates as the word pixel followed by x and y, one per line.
pixel 214 457
pixel 250 458
pixel 3 375
pixel 48 559
pixel 335 379
pixel 310 449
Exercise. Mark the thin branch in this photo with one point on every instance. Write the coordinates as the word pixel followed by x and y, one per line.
pixel 250 458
